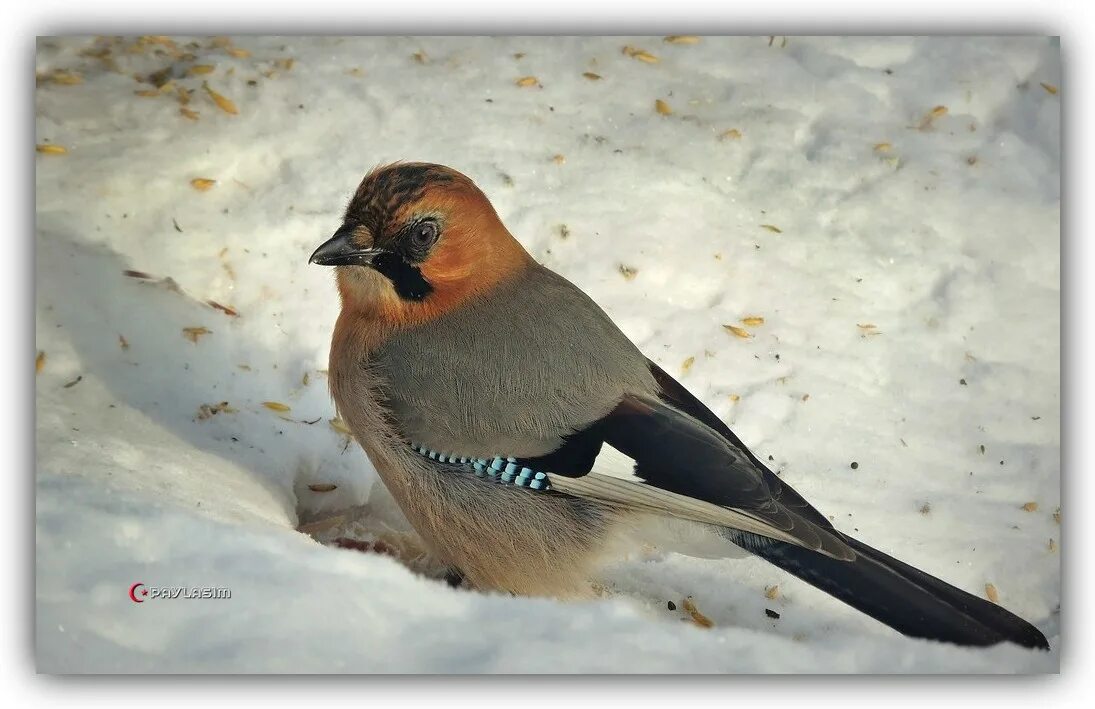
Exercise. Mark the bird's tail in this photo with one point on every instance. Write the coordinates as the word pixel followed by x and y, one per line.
pixel 892 592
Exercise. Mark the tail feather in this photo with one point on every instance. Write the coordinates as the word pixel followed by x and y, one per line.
pixel 906 599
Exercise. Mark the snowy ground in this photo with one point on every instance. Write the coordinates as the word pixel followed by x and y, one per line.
pixel 940 230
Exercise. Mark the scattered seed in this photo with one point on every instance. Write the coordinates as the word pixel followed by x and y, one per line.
pixel 662 107
pixel 322 487
pixel 200 69
pixel 193 333
pixel 882 147
pixel 698 618
pixel 591 76
pixel 971 160
pixel 752 320
pixel 421 57
pixel 527 81
pixel 628 272
pixel 732 134
pixel 564 231
pixel 640 54
pixel 687 365
pixel 122 342
pixel 1050 88
pixel 147 93
pixel 275 406
pixel 771 592
pixel 682 39
pixel 223 103
pixel 1030 507
pixel 929 117
pixel 66 78
pixel 866 327
pixel 991 593
pixel 1052 546
pixel 237 52
pixel 227 310
pixel 805 397
pixel 735 397
pixel 40 361
pixel 1057 516
pixel 739 331
pixel 558 158
pixel 51 149
pixel 202 184
pixel 772 228
pixel 206 411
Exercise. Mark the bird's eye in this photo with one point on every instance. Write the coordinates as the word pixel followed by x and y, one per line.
pixel 424 234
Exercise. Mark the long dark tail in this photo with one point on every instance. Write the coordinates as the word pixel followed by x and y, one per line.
pixel 892 592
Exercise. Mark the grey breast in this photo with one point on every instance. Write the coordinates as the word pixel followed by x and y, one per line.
pixel 510 374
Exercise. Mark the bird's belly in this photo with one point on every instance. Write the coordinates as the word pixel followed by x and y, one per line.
pixel 503 537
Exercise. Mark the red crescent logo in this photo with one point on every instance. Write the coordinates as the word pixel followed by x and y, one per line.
pixel 133 593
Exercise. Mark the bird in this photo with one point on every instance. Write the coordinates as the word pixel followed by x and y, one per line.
pixel 523 434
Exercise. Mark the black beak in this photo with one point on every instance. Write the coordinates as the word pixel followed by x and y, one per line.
pixel 339 250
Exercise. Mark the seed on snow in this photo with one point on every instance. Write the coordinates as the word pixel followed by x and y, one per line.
pixel 739 331
pixel 222 102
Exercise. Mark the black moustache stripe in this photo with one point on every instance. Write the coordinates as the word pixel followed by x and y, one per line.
pixel 407 279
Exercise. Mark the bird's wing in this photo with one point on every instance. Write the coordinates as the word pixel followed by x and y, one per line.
pixel 673 393
pixel 683 468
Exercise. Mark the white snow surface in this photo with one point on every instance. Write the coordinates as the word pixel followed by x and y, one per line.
pixel 947 242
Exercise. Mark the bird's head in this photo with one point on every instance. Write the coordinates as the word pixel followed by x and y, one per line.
pixel 418 239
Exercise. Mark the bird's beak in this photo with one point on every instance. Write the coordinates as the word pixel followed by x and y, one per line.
pixel 339 250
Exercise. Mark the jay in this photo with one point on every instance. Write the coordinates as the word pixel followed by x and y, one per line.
pixel 491 395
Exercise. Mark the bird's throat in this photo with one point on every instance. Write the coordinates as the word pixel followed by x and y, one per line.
pixel 407 279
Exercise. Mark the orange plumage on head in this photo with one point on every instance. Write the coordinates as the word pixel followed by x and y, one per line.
pixel 473 253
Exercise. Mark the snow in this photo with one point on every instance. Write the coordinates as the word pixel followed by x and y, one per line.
pixel 947 242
